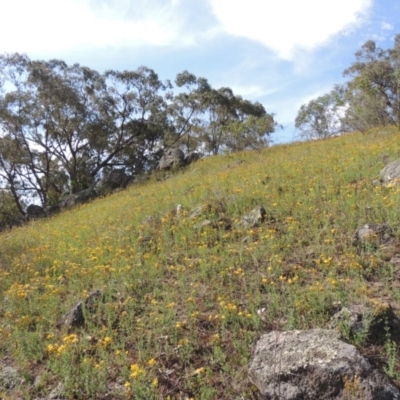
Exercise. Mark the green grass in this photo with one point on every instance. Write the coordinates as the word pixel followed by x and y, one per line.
pixel 181 307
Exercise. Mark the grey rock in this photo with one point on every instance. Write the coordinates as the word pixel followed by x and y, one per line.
pixel 202 224
pixel 172 158
pixel 78 198
pixel 315 364
pixel 9 377
pixel 196 212
pixel 391 172
pixel 366 322
pixel 376 182
pixel 56 393
pixel 373 234
pixel 115 179
pixel 191 157
pixel 354 321
pixel 254 218
pixel 34 211
pixel 75 317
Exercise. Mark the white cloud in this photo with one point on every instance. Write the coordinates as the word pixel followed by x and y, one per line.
pixel 288 25
pixel 386 26
pixel 48 25
pixel 284 25
pixel 251 91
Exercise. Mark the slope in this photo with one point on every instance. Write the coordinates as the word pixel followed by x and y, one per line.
pixel 177 296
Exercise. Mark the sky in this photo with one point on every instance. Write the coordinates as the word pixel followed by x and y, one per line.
pixel 281 53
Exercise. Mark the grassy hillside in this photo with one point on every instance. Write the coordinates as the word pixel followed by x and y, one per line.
pixel 181 305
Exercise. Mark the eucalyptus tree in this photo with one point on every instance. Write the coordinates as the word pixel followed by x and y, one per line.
pixel 214 120
pixel 369 98
pixel 185 110
pixel 250 128
pixel 62 126
pixel 322 117
pixel 133 111
pixel 70 122
pixel 19 159
pixel 373 92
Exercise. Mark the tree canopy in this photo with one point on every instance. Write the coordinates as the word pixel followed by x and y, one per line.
pixel 369 98
pixel 63 126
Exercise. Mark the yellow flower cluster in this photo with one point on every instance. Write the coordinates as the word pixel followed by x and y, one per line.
pixel 105 342
pixel 135 371
pixel 59 349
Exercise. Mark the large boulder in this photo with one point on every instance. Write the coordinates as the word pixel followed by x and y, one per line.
pixel 115 179
pixel 172 158
pixel 34 211
pixel 315 364
pixel 391 173
pixel 191 157
pixel 78 198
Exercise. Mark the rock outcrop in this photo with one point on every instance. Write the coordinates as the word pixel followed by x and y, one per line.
pixel 175 157
pixel 391 173
pixel 315 364
pixel 172 158
pixel 373 235
pixel 78 198
pixel 371 322
pixel 191 157
pixel 115 179
pixel 34 211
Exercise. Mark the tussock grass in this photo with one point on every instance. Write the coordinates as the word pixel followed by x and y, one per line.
pixel 181 308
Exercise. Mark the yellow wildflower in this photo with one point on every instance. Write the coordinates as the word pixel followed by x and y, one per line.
pixel 105 342
pixel 151 362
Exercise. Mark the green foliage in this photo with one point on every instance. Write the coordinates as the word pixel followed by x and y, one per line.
pixel 370 97
pixel 9 213
pixel 64 125
pixel 251 134
pixel 373 92
pixel 319 118
pixel 216 120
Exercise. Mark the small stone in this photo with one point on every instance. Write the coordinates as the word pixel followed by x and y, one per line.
pixel 202 224
pixel 254 218
pixel 9 377
pixel 373 234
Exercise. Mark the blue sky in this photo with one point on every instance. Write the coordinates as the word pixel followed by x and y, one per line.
pixel 281 53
